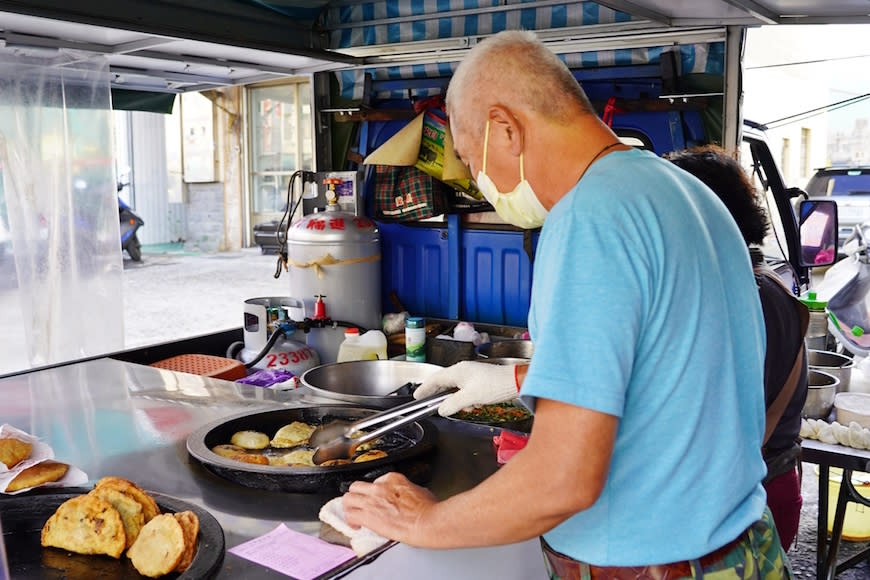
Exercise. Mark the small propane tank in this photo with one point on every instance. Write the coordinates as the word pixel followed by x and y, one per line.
pixel 334 267
pixel 264 317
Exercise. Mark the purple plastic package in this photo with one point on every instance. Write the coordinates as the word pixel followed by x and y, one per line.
pixel 267 377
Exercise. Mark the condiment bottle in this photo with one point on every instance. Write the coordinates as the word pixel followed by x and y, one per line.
pixel 817 330
pixel 415 339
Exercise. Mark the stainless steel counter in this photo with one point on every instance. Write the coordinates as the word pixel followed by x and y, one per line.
pixel 113 418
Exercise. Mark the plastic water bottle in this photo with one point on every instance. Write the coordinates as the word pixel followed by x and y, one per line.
pixel 369 346
pixel 817 331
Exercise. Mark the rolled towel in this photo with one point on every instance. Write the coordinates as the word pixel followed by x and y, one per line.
pixel 362 540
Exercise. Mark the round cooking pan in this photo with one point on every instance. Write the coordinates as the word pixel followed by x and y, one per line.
pixel 405 448
pixel 367 382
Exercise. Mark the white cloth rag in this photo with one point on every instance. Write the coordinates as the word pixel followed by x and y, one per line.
pixel 362 540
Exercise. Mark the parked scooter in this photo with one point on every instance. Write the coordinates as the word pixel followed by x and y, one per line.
pixel 130 224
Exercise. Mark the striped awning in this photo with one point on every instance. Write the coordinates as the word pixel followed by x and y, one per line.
pixel 441 28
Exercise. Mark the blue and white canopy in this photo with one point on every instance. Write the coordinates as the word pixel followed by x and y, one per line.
pixel 436 33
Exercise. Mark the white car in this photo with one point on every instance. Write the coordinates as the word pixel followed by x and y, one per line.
pixel 850 188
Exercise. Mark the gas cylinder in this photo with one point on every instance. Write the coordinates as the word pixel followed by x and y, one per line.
pixel 263 316
pixel 334 262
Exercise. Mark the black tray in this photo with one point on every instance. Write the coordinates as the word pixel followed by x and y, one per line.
pixel 24 515
pixel 412 442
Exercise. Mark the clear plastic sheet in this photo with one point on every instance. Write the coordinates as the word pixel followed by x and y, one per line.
pixel 61 267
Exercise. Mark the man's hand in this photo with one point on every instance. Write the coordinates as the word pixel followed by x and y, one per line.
pixel 479 384
pixel 392 506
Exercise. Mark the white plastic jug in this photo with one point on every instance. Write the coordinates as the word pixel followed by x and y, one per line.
pixel 369 346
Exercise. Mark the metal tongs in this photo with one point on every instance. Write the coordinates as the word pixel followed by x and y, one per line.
pixel 339 439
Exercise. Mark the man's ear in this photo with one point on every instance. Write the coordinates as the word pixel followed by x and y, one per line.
pixel 505 130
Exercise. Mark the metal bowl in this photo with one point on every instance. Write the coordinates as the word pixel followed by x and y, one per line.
pixel 366 382
pixel 820 395
pixel 514 348
pixel 833 363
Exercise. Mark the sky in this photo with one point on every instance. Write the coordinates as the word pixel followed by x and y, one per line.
pixel 838 55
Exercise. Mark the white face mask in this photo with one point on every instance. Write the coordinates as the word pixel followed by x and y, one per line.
pixel 519 207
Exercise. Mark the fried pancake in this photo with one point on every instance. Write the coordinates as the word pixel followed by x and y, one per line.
pixel 42 472
pixel 296 458
pixel 130 510
pixel 227 450
pixel 190 526
pixel 85 524
pixel 250 439
pixel 149 506
pixel 370 456
pixel 333 462
pixel 296 433
pixel 159 547
pixel 254 458
pixel 13 451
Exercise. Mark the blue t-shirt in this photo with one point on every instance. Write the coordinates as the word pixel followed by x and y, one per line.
pixel 644 306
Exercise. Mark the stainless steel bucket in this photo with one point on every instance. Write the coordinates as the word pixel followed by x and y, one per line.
pixel 821 391
pixel 834 363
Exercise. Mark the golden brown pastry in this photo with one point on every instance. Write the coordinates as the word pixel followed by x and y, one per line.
pixel 13 451
pixel 296 433
pixel 86 524
pixel 159 547
pixel 190 526
pixel 128 508
pixel 370 456
pixel 149 506
pixel 250 439
pixel 42 472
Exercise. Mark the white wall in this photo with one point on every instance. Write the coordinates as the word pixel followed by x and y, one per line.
pixel 770 94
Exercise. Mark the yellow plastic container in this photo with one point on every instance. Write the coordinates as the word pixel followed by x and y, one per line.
pixel 856 526
pixel 369 346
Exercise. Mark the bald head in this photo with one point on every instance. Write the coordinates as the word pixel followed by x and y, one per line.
pixel 512 68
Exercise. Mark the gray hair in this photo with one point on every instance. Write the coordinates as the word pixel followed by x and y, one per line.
pixel 515 69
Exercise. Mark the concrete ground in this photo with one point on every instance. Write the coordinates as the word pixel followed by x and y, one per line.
pixel 803 552
pixel 173 294
pixel 170 294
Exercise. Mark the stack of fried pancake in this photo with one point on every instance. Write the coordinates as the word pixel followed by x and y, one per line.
pixel 118 515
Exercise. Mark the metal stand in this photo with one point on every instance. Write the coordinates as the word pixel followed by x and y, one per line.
pixel 826 553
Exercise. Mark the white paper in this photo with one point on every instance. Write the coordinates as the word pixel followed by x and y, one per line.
pixel 41 452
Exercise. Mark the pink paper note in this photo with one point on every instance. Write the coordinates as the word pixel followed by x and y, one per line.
pixel 292 553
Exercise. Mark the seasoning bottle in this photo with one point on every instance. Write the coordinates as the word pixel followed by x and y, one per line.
pixel 415 339
pixel 817 330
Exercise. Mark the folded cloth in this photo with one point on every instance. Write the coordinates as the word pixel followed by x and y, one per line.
pixel 362 540
pixel 507 444
pixel 40 453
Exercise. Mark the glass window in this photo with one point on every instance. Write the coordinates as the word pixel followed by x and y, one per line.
pixel 280 141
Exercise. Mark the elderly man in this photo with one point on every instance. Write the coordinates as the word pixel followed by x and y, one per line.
pixel 649 349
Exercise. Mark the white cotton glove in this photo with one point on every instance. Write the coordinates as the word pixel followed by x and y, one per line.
pixel 479 384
